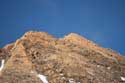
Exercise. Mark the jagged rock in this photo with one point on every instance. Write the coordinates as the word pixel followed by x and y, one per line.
pixel 72 59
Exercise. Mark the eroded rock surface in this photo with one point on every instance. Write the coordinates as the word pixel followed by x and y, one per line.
pixel 72 59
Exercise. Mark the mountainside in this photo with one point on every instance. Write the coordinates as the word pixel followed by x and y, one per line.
pixel 38 57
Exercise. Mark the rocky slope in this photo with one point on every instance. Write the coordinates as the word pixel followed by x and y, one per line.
pixel 38 57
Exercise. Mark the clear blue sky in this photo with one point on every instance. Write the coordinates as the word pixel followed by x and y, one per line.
pixel 102 21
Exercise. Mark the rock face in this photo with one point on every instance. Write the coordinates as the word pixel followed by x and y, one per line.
pixel 38 57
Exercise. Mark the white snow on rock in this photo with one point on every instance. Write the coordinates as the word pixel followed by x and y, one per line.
pixel 71 80
pixel 61 74
pixel 108 68
pixel 2 64
pixel 123 78
pixel 43 78
pixel 63 78
pixel 98 65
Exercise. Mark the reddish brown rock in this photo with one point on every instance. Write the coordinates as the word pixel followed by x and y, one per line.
pixel 72 59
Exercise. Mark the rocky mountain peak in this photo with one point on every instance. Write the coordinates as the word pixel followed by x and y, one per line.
pixel 75 38
pixel 38 57
pixel 36 36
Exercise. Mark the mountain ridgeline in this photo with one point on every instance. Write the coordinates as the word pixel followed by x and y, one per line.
pixel 38 57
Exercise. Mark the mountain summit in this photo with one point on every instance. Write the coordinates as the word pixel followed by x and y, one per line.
pixel 38 57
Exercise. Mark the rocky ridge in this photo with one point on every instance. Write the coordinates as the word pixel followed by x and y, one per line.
pixel 38 57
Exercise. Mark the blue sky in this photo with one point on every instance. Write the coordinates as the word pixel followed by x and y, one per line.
pixel 102 21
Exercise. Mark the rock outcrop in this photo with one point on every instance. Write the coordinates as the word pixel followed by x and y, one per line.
pixel 38 57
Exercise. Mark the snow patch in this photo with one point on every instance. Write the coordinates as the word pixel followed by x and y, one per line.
pixel 98 65
pixel 71 80
pixel 61 74
pixel 63 78
pixel 108 68
pixel 43 78
pixel 2 64
pixel 123 78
